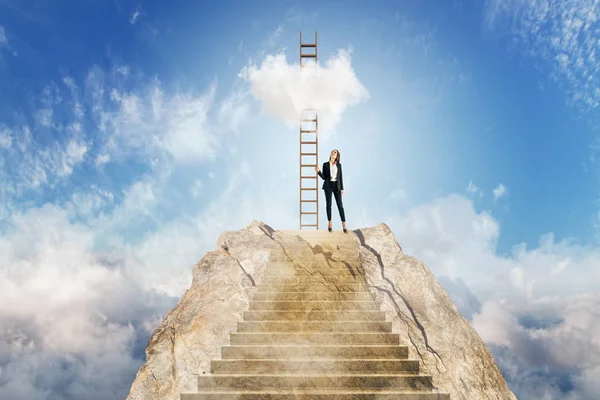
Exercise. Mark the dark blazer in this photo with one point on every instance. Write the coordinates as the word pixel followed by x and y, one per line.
pixel 325 173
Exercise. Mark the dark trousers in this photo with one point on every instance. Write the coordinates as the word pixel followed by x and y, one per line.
pixel 332 188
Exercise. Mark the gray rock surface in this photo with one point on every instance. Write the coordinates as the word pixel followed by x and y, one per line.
pixel 450 350
pixel 192 334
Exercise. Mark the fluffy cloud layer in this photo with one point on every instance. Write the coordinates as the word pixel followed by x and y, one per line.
pixel 284 91
pixel 70 320
pixel 75 319
pixel 537 309
pixel 87 276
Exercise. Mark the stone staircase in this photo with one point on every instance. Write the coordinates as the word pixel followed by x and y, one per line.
pixel 313 331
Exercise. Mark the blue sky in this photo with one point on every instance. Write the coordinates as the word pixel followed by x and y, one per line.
pixel 133 133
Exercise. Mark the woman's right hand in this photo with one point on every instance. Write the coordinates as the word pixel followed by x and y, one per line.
pixel 317 169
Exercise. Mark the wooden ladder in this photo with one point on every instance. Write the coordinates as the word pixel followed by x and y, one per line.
pixel 309 143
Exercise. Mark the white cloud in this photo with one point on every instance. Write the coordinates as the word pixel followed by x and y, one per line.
pixel 140 198
pixel 102 159
pixel 196 188
pixel 136 14
pixel 472 189
pixel 152 121
pixel 283 93
pixel 85 204
pixel 73 155
pixel 32 167
pixel 538 306
pixel 3 39
pixel 60 161
pixel 236 111
pixel 566 345
pixel 397 195
pixel 123 70
pixel 44 117
pixel 5 137
pixel 61 305
pixel 275 35
pixel 500 191
pixel 563 34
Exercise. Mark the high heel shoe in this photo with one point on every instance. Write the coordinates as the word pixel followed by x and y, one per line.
pixel 329 228
pixel 345 230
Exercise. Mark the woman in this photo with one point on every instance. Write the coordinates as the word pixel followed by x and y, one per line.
pixel 333 183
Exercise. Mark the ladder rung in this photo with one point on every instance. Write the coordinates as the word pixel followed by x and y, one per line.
pixel 308 45
pixel 308 55
pixel 308 177
pixel 308 224
pixel 308 201
pixel 309 188
pixel 308 212
pixel 308 131
pixel 308 142
pixel 308 154
pixel 308 165
pixel 309 120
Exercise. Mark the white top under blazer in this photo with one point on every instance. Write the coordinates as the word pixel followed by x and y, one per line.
pixel 333 169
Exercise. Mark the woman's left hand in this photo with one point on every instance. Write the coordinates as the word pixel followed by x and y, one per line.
pixel 341 191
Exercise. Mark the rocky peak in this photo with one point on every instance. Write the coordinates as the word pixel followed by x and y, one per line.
pixel 262 284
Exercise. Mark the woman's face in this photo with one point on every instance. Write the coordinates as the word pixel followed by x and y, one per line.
pixel 334 154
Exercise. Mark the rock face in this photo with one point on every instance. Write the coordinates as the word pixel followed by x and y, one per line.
pixel 449 349
pixel 255 288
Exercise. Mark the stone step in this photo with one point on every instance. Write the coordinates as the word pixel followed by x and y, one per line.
pixel 306 296
pixel 316 351
pixel 330 264
pixel 311 258
pixel 318 248
pixel 324 239
pixel 308 272
pixel 315 381
pixel 314 315
pixel 348 305
pixel 335 262
pixel 364 366
pixel 317 244
pixel 313 326
pixel 318 394
pixel 325 265
pixel 312 338
pixel 318 251
pixel 312 287
pixel 323 247
pixel 315 278
pixel 319 262
pixel 322 234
